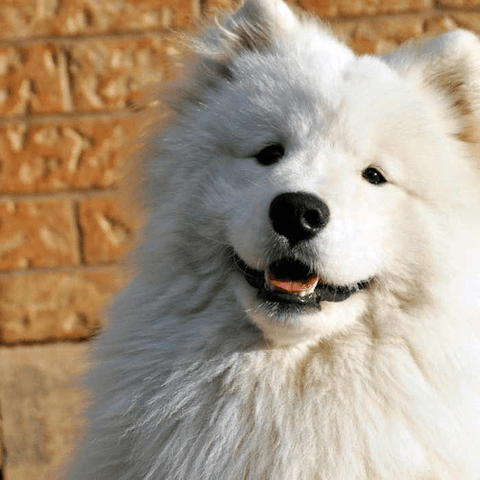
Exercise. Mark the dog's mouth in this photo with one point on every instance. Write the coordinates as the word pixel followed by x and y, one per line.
pixel 290 281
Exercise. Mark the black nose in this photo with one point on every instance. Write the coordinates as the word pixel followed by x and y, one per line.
pixel 298 216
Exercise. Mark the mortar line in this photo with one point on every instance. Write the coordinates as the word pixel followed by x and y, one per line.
pixel 77 195
pixel 118 265
pixel 31 119
pixel 69 39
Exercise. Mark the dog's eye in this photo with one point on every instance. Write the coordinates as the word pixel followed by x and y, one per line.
pixel 373 176
pixel 270 155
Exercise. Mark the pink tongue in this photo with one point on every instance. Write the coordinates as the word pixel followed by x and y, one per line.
pixel 293 287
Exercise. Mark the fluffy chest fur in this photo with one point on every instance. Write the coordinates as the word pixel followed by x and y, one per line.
pixel 357 407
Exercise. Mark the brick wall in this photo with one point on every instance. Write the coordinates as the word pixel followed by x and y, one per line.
pixel 70 73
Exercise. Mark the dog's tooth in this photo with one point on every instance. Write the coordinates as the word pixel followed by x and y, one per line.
pixel 311 288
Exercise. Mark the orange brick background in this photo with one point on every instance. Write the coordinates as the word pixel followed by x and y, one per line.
pixel 71 74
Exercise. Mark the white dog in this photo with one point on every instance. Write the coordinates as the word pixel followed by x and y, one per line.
pixel 308 301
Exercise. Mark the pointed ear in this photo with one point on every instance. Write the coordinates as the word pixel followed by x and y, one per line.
pixel 450 65
pixel 252 27
pixel 256 21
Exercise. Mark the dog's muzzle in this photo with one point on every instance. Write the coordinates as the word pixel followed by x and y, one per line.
pixel 288 280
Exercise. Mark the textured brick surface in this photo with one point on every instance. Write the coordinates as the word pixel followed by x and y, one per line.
pixel 379 35
pixel 89 75
pixel 33 79
pixel 64 155
pixel 216 5
pixel 470 20
pixel 107 229
pixel 62 305
pixel 73 17
pixel 459 3
pixel 40 407
pixel 439 24
pixel 364 7
pixel 112 74
pixel 383 35
pixel 37 234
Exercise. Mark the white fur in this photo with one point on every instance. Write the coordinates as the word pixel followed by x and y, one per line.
pixel 196 377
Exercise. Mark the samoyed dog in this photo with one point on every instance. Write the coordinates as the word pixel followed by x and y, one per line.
pixel 307 303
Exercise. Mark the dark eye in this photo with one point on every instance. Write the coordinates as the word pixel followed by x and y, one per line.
pixel 270 155
pixel 373 176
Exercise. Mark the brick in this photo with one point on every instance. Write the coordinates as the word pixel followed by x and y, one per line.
pixel 73 17
pixel 459 3
pixel 470 20
pixel 364 7
pixel 41 407
pixel 111 74
pixel 439 24
pixel 380 35
pixel 66 305
pixel 64 155
pixel 37 234
pixel 383 35
pixel 34 80
pixel 107 228
pixel 216 5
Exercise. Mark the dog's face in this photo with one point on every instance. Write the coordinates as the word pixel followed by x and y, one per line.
pixel 314 188
pixel 316 173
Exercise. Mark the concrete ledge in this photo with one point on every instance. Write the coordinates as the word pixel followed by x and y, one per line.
pixel 41 407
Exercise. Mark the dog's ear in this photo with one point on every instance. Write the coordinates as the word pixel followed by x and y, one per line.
pixel 256 21
pixel 252 27
pixel 450 65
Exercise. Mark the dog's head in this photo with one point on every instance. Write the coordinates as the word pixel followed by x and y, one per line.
pixel 321 174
